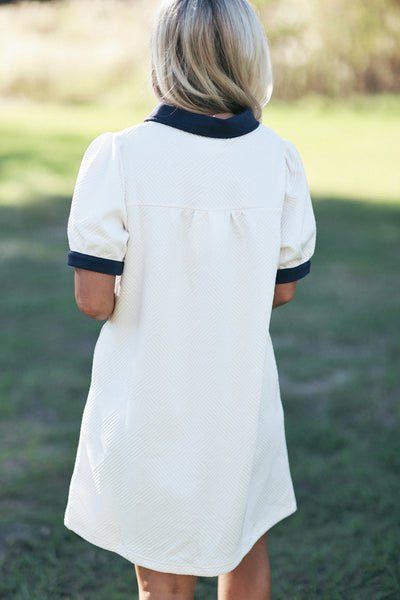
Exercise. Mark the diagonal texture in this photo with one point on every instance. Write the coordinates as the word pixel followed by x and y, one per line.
pixel 182 461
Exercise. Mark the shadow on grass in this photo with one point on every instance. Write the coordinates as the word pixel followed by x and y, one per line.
pixel 337 348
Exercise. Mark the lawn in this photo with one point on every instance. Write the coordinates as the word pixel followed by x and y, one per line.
pixel 350 150
pixel 337 348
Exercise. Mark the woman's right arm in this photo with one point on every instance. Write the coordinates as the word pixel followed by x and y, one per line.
pixel 284 293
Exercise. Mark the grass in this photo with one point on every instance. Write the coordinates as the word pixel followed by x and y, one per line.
pixel 350 149
pixel 337 348
pixel 339 373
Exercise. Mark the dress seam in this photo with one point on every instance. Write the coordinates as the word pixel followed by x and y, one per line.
pixel 207 209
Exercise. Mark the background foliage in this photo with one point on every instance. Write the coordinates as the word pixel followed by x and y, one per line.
pixel 333 47
pixel 81 50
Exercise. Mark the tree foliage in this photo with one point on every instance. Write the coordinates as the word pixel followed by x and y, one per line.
pixel 75 50
pixel 333 47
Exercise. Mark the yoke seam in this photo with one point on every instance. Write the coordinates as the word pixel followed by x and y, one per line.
pixel 207 209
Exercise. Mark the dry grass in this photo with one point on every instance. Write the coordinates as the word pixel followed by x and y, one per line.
pixel 333 47
pixel 75 50
pixel 85 50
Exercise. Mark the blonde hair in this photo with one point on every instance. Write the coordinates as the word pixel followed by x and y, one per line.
pixel 210 56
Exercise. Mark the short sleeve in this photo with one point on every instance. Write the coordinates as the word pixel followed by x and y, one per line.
pixel 298 228
pixel 97 225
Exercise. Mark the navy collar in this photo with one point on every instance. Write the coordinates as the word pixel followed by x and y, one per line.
pixel 239 124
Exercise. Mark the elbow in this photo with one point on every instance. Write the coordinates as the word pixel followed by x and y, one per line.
pixel 94 313
pixel 287 296
pixel 282 300
pixel 98 316
pixel 94 310
pixel 284 293
pixel 94 294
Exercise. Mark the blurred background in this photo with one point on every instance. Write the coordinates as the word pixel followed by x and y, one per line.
pixel 70 70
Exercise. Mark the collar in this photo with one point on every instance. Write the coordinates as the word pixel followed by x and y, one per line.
pixel 204 125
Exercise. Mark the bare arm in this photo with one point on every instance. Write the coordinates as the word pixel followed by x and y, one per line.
pixel 94 293
pixel 284 293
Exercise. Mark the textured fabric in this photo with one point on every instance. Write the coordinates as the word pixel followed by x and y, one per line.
pixel 182 462
pixel 97 224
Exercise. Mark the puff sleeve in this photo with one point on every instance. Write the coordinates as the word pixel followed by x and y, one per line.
pixel 298 228
pixel 97 225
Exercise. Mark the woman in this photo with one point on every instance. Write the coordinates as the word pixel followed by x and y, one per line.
pixel 185 231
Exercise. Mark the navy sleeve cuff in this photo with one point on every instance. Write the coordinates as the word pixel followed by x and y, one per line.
pixel 289 275
pixel 95 263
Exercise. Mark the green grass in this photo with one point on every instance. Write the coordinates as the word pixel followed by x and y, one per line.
pixel 350 150
pixel 337 348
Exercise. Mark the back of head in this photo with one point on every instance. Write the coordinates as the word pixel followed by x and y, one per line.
pixel 210 56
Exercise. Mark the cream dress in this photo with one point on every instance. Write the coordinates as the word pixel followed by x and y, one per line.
pixel 182 462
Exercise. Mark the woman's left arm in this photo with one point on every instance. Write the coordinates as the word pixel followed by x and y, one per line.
pixel 94 293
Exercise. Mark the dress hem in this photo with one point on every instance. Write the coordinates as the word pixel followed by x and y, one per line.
pixel 179 569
